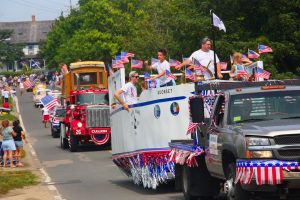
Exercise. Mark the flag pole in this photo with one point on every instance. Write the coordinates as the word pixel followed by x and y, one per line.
pixel 214 42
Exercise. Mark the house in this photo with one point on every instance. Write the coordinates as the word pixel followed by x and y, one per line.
pixel 31 34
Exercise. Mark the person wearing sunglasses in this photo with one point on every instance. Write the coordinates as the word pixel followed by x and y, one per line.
pixel 127 95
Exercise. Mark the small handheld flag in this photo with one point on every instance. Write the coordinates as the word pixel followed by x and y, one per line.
pixel 170 75
pixel 264 49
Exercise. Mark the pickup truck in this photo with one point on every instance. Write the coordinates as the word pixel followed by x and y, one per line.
pixel 250 142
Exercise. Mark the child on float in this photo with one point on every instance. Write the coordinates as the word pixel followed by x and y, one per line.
pixel 239 65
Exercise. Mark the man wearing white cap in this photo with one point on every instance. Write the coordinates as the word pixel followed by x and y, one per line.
pixel 129 91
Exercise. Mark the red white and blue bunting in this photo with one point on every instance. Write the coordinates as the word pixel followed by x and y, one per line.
pixel 149 168
pixel 184 154
pixel 266 172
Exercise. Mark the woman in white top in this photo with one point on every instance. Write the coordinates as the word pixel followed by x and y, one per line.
pixel 161 67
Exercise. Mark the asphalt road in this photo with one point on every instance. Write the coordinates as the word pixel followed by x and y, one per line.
pixel 86 174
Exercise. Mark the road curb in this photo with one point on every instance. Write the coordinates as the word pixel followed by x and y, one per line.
pixel 47 179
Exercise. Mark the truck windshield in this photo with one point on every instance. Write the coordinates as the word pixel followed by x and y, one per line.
pixel 263 106
pixel 90 98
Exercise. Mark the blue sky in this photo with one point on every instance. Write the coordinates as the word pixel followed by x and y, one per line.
pixel 22 10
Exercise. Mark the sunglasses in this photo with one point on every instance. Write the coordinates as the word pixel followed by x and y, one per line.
pixel 136 76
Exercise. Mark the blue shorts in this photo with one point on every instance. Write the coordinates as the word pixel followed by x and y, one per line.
pixel 8 145
pixel 19 144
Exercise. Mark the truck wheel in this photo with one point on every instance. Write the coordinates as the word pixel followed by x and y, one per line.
pixel 73 142
pixel 234 191
pixel 187 183
pixel 62 135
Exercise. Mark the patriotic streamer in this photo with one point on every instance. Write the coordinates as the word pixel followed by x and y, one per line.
pixel 266 172
pixel 147 168
pixel 184 154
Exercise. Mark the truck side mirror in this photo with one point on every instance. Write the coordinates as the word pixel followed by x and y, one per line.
pixel 197 109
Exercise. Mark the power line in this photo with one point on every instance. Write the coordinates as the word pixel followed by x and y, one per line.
pixel 32 6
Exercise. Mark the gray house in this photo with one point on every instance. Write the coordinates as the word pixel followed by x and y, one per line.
pixel 31 34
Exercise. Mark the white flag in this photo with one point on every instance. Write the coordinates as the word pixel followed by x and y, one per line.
pixel 218 23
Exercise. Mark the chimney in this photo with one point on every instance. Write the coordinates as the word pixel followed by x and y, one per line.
pixel 33 18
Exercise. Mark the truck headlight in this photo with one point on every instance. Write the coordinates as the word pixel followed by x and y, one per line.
pixel 79 124
pixel 257 141
pixel 260 154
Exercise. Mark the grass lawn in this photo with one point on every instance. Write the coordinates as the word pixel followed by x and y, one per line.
pixel 10 180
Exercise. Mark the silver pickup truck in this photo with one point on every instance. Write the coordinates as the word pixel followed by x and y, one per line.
pixel 256 127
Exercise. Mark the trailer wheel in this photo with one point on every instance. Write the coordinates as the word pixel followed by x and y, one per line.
pixel 187 183
pixel 73 142
pixel 234 191
pixel 62 135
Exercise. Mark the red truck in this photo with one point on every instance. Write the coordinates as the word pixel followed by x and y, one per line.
pixel 85 96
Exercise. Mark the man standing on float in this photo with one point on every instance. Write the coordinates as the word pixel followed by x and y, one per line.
pixel 205 57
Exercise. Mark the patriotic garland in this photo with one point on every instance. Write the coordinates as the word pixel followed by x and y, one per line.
pixel 268 172
pixel 147 168
pixel 184 154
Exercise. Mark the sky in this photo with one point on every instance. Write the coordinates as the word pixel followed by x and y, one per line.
pixel 22 10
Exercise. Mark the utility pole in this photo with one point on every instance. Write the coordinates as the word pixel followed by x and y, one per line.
pixel 70 5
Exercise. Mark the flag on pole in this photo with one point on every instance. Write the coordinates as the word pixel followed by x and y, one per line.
pixel 223 65
pixel 28 84
pixel 124 57
pixel 49 102
pixel 110 71
pixel 170 75
pixel 199 67
pixel 217 22
pixel 35 63
pixel 117 64
pixel 252 54
pixel 264 49
pixel 146 76
pixel 127 54
pixel 245 58
pixel 137 64
pixel 154 61
pixel 261 73
pixel 189 75
pixel 174 62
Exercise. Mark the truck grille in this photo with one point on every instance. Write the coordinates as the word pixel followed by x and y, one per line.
pixel 289 153
pixel 287 139
pixel 97 116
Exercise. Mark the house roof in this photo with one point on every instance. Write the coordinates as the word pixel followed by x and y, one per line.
pixel 28 31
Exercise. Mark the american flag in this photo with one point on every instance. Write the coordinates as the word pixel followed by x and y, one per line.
pixel 117 64
pixel 252 54
pixel 199 67
pixel 28 84
pixel 174 62
pixel 110 71
pixel 49 102
pixel 147 76
pixel 223 65
pixel 127 54
pixel 245 58
pixel 261 73
pixel 154 61
pixel 189 75
pixel 266 172
pixel 170 75
pixel 192 128
pixel 240 71
pixel 264 49
pixel 138 64
pixel 124 58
